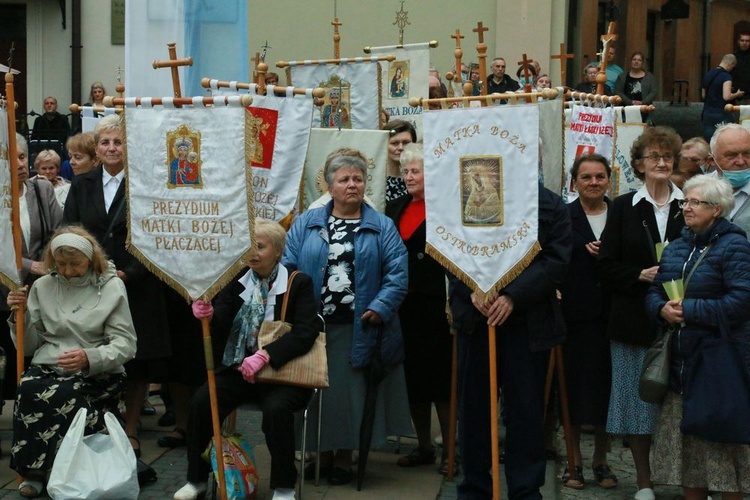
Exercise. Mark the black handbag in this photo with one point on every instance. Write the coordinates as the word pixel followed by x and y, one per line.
pixel 654 380
pixel 716 397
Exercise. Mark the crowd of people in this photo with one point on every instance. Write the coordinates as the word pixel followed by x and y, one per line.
pixel 100 327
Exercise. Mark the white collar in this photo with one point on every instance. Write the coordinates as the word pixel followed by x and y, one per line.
pixel 106 177
pixel 643 194
pixel 277 288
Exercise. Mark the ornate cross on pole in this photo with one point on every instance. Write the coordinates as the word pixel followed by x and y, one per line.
pixel 458 53
pixel 174 64
pixel 336 38
pixel 256 61
pixel 119 88
pixel 601 78
pixel 524 63
pixel 563 56
pixel 482 51
pixel 402 21
pixel 265 48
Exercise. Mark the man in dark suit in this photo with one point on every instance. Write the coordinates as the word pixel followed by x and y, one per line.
pixel 529 322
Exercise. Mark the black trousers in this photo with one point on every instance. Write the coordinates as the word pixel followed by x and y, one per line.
pixel 523 375
pixel 278 403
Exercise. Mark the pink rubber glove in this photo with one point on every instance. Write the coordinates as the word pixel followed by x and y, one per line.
pixel 252 365
pixel 202 309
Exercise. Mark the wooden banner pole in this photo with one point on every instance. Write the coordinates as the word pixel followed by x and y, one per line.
pixel 336 38
pixel 316 92
pixel 583 96
pixel 494 421
pixel 284 64
pixel 109 101
pixel 208 349
pixel 482 53
pixel 601 77
pixel 15 193
pixel 562 56
pixel 453 412
pixel 542 94
pixel 174 64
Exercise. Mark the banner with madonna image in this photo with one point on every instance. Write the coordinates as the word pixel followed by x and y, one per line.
pixel 481 192
pixel 8 268
pixel 190 197
pixel 352 99
pixel 405 77
pixel 373 144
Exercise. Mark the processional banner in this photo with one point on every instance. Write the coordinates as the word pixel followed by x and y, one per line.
pixel 403 78
pixel 352 99
pixel 278 134
pixel 589 130
pixel 629 128
pixel 8 268
pixel 551 120
pixel 190 195
pixel 373 144
pixel 89 118
pixel 481 192
pixel 745 116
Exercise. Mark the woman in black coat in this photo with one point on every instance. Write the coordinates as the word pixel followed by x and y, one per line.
pixel 585 305
pixel 427 339
pixel 97 201
pixel 237 314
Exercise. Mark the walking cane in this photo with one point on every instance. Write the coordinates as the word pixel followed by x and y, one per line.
pixel 207 348
pixel 548 381
pixel 452 417
pixel 494 415
pixel 558 354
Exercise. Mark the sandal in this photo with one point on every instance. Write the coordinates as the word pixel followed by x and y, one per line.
pixel 416 458
pixel 170 441
pixel 574 480
pixel 604 476
pixel 443 469
pixel 30 489
pixel 137 451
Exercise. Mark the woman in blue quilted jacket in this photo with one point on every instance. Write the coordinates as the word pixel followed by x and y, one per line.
pixel 713 259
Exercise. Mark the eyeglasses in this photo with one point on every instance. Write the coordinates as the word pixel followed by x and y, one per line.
pixel 668 158
pixel 693 203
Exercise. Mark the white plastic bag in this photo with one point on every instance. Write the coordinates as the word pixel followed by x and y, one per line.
pixel 96 466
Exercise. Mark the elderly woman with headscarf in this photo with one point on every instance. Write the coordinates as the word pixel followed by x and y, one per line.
pixel 80 333
pixel 358 264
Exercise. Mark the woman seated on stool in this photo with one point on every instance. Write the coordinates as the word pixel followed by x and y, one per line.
pixel 237 313
pixel 79 330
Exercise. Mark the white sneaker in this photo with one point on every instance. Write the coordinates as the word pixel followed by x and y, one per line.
pixel 191 491
pixel 283 494
pixel 645 494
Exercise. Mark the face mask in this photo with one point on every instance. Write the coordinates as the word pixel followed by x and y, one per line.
pixel 737 178
pixel 464 76
pixel 703 168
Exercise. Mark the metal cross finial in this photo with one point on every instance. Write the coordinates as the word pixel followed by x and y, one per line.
pixel 402 20
pixel 10 55
pixel 118 73
pixel 265 48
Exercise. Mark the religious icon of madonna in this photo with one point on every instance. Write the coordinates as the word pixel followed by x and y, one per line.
pixel 184 158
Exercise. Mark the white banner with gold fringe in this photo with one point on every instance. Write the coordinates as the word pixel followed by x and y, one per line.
pixel 629 129
pixel 481 192
pixel 590 130
pixel 404 78
pixel 352 99
pixel 373 144
pixel 278 134
pixel 8 268
pixel 189 195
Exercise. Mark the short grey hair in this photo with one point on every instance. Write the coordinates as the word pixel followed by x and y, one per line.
pixel 21 144
pixel 344 157
pixel 412 152
pixel 697 143
pixel 714 190
pixel 273 231
pixel 107 124
pixel 720 129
